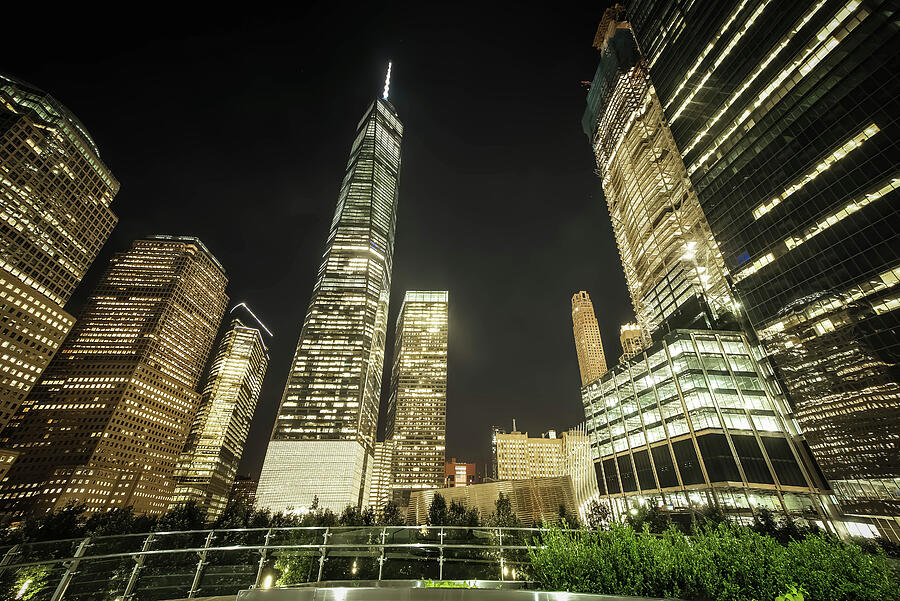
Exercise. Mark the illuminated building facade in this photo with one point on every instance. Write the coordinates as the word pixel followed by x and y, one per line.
pixel 209 461
pixel 632 338
pixel 673 267
pixel 690 422
pixel 416 418
pixel 495 432
pixel 521 457
pixel 243 490
pixel 588 345
pixel 697 402
pixel 457 473
pixel 55 197
pixel 107 421
pixel 380 481
pixel 788 115
pixel 533 501
pixel 324 435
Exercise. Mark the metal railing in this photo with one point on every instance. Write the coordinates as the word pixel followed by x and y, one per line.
pixel 155 566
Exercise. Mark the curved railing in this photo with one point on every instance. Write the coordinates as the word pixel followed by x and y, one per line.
pixel 202 563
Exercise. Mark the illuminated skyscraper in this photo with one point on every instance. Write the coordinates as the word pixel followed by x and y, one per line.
pixel 380 491
pixel 324 435
pixel 208 464
pixel 417 408
pixel 695 418
pixel 55 197
pixel 788 116
pixel 588 345
pixel 107 421
pixel 633 340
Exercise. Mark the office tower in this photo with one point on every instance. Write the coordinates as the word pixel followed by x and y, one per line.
pixel 495 432
pixel 243 490
pixel 416 418
pixel 459 473
pixel 788 115
pixel 324 435
pixel 588 345
pixel 105 424
pixel 521 457
pixel 632 338
pixel 694 419
pixel 380 491
pixel 209 461
pixel 55 197
pixel 673 267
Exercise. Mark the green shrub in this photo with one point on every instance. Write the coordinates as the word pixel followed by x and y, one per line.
pixel 721 563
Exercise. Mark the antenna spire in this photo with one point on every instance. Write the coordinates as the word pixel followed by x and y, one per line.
pixel 387 82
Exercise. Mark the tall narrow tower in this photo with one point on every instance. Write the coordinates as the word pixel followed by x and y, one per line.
pixel 588 345
pixel 208 464
pixel 106 423
pixel 323 440
pixel 417 409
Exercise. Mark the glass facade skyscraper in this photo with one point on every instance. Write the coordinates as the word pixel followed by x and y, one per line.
pixel 105 424
pixel 588 344
pixel 417 408
pixel 324 435
pixel 209 461
pixel 727 416
pixel 55 197
pixel 788 115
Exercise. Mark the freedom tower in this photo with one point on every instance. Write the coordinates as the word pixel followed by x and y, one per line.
pixel 323 439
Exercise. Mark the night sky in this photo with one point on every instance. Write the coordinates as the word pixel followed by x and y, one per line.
pixel 235 127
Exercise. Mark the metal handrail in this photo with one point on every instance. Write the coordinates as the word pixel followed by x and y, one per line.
pixel 323 548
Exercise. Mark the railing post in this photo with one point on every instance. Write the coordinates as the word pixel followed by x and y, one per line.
pixel 195 585
pixel 263 554
pixel 500 530
pixel 322 557
pixel 70 571
pixel 441 560
pixel 7 557
pixel 381 559
pixel 138 566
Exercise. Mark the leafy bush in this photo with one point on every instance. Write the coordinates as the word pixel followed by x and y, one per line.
pixel 724 563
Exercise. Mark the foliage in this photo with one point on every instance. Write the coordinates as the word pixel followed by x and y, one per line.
pixel 185 516
pixel 446 584
pixel 708 517
pixel 722 563
pixel 437 511
pixel 566 519
pixel 352 516
pixel 503 515
pixel 784 530
pixel 598 515
pixel 390 515
pixel 792 594
pixel 650 514
pixel 37 580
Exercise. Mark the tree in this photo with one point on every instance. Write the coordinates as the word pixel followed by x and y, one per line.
pixel 120 520
pixel 598 515
pixel 503 515
pixel 352 516
pixel 458 515
pixel 437 511
pixel 66 522
pixel 390 515
pixel 184 516
pixel 566 519
pixel 650 515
